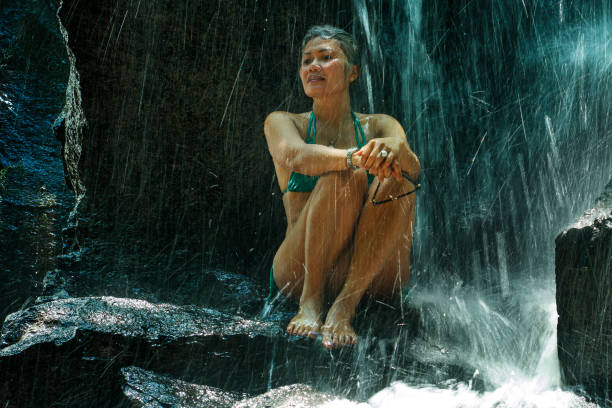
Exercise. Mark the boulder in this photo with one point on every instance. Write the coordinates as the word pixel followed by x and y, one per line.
pixel 62 320
pixel 70 351
pixel 34 200
pixel 146 389
pixel 584 299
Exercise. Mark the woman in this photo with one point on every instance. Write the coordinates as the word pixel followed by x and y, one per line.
pixel 339 246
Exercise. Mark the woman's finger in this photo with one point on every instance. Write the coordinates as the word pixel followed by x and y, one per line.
pixel 365 152
pixel 380 175
pixel 374 159
pixel 397 171
pixel 387 161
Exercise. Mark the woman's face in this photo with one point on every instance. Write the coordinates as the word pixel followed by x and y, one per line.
pixel 323 70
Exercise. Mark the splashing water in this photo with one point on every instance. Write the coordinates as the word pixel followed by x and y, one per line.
pixel 515 357
pixel 514 395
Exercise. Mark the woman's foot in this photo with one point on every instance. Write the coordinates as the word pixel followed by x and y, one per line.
pixel 306 323
pixel 338 330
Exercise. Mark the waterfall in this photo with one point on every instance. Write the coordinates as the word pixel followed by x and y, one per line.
pixel 507 106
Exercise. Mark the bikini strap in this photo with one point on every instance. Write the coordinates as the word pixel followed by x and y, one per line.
pixel 358 131
pixel 312 123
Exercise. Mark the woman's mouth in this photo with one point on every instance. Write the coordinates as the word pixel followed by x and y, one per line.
pixel 315 78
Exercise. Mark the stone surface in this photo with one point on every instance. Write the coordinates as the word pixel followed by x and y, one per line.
pixel 289 396
pixel 149 390
pixel 584 299
pixel 69 352
pixel 34 199
pixel 146 389
pixel 59 322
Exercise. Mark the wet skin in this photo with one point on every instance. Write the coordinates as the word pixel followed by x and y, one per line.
pixel 338 246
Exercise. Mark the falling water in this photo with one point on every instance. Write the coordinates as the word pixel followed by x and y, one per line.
pixel 506 106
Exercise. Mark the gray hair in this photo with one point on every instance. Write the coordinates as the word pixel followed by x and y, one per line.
pixel 347 43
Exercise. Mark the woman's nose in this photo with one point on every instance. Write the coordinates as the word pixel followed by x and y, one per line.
pixel 315 66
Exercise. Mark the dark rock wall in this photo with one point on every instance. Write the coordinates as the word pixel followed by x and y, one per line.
pixel 34 200
pixel 175 94
pixel 584 299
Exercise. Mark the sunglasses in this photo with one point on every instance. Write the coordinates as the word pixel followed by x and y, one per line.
pixel 415 185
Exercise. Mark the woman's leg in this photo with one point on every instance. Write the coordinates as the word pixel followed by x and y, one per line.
pixel 314 243
pixel 380 263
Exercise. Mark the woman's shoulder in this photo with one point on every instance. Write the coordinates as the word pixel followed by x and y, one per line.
pixel 375 118
pixel 299 120
pixel 376 122
pixel 284 115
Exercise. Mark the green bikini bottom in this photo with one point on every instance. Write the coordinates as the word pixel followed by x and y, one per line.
pixel 273 289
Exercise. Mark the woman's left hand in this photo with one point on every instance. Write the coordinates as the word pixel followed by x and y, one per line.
pixel 373 161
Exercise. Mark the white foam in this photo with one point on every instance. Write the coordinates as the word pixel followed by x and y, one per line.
pixel 512 395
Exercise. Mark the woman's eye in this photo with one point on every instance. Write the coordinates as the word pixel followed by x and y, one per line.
pixel 306 62
pixel 326 57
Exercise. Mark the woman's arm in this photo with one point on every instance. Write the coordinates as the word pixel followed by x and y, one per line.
pixel 390 136
pixel 290 151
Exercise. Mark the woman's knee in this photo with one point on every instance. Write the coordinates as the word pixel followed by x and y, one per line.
pixel 391 188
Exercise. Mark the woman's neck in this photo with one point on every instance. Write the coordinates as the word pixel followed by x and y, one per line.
pixel 332 110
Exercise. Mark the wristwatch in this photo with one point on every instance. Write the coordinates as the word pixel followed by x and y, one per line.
pixel 349 158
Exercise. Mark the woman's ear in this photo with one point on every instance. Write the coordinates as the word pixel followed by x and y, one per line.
pixel 354 74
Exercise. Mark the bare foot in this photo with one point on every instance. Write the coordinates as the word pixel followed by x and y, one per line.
pixel 338 330
pixel 307 323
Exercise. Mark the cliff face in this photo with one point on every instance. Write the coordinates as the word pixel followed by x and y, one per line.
pixel 174 150
pixel 34 200
pixel 584 298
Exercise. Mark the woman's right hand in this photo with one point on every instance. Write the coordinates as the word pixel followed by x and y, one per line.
pixel 380 167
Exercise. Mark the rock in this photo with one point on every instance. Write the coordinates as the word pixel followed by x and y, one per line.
pixel 34 199
pixel 289 396
pixel 60 321
pixel 69 351
pixel 584 299
pixel 146 389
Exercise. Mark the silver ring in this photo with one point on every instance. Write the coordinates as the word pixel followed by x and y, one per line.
pixel 383 153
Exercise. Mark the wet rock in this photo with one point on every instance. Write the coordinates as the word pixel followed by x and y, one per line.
pixel 289 396
pixel 146 389
pixel 69 351
pixel 584 298
pixel 34 200
pixel 60 321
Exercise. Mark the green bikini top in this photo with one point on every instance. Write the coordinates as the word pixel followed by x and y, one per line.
pixel 304 183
